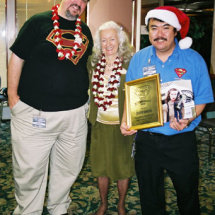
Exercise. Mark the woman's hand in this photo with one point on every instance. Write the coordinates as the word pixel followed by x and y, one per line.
pixel 125 129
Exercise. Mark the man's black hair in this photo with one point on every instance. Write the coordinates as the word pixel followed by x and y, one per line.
pixel 147 27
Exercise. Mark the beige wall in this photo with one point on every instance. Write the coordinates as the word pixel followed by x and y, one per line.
pixel 101 11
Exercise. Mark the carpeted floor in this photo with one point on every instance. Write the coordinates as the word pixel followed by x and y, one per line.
pixel 85 193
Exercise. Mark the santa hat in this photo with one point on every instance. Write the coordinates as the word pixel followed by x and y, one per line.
pixel 176 18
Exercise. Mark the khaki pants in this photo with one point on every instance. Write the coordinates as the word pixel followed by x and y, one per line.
pixel 59 147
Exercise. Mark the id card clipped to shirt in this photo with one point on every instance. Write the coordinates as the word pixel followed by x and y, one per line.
pixel 149 70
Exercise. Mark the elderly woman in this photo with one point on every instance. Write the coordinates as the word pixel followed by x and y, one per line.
pixel 110 151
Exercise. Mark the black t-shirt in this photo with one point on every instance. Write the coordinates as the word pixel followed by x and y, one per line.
pixel 47 83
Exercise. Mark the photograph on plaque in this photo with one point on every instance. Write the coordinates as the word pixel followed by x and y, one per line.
pixel 144 103
pixel 177 100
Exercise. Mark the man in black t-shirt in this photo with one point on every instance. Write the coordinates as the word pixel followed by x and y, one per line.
pixel 48 96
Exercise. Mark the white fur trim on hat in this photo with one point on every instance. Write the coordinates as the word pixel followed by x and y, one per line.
pixel 185 43
pixel 164 15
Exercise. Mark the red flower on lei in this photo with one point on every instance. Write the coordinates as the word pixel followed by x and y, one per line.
pixel 62 54
pixel 102 101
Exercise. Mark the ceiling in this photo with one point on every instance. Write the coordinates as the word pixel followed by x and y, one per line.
pixel 205 7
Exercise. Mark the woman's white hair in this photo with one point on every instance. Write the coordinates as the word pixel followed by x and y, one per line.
pixel 125 50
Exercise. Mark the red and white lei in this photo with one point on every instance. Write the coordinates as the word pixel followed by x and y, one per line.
pixel 102 101
pixel 62 54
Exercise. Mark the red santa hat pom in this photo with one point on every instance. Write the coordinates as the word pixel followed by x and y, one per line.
pixel 176 18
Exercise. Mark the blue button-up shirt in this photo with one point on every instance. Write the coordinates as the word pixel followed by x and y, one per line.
pixel 196 71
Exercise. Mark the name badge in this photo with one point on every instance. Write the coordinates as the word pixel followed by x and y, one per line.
pixel 39 122
pixel 149 70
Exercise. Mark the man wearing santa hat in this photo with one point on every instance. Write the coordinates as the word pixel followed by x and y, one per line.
pixel 171 147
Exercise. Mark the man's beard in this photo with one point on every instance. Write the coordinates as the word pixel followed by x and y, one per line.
pixel 70 16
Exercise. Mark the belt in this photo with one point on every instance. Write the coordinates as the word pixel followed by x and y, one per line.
pixel 155 134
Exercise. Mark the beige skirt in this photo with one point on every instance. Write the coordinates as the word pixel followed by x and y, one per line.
pixel 110 152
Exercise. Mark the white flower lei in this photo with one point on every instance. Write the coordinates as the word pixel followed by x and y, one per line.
pixel 62 54
pixel 102 101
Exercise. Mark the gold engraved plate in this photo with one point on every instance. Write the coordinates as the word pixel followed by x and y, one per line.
pixel 143 103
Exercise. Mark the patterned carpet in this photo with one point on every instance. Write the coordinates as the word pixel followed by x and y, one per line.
pixel 85 193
